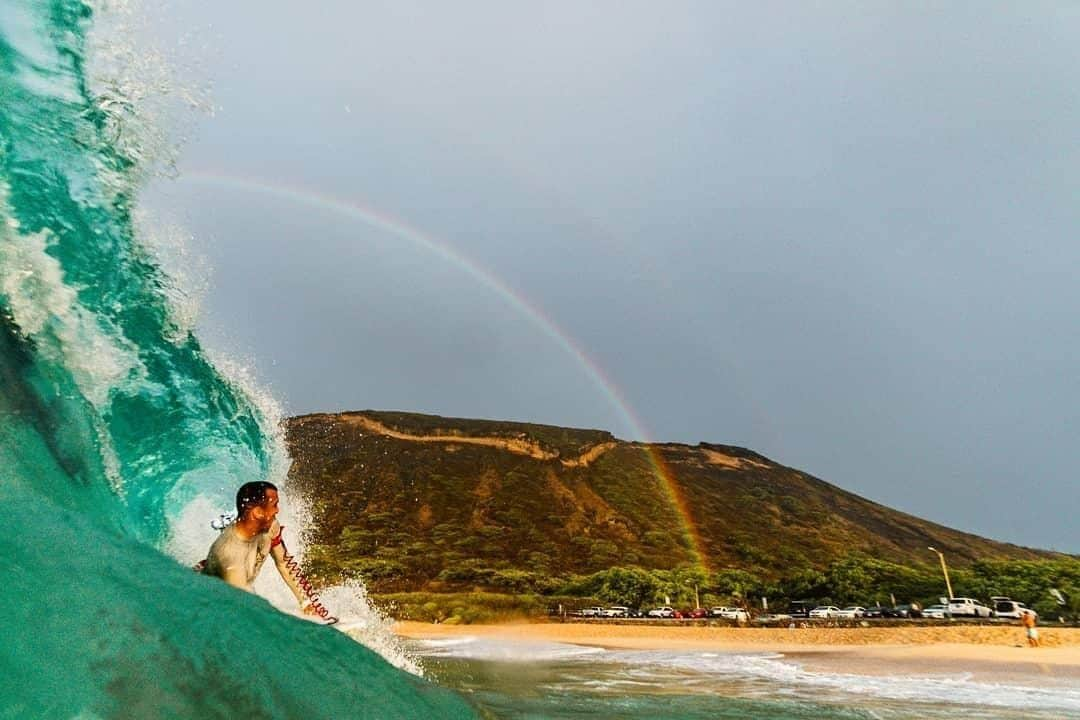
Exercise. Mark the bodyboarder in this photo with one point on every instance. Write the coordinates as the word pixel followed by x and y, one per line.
pixel 238 554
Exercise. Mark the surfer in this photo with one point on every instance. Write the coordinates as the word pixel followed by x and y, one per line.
pixel 238 553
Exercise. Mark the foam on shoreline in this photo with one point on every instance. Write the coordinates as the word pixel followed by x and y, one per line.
pixel 937 646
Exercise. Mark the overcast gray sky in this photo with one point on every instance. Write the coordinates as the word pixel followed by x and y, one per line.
pixel 841 234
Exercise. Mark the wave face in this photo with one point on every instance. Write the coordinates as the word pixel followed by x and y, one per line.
pixel 112 421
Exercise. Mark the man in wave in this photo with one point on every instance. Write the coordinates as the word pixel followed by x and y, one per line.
pixel 238 554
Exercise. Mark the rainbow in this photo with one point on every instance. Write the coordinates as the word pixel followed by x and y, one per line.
pixel 441 249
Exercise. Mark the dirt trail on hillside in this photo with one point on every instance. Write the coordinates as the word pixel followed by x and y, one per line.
pixel 590 455
pixel 517 446
pixel 729 461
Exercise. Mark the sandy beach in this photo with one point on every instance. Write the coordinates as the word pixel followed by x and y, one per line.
pixel 986 652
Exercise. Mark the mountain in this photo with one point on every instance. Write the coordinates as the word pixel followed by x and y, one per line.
pixel 419 502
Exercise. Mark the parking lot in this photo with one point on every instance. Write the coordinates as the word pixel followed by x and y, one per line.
pixel 806 614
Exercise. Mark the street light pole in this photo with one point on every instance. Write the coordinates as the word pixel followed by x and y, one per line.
pixel 944 570
pixel 697 598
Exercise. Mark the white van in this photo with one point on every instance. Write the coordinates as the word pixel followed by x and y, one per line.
pixel 967 607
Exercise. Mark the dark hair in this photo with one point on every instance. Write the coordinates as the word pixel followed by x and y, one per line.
pixel 252 495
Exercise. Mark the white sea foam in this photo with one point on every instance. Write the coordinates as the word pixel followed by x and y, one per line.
pixel 360 620
pixel 434 644
pixel 47 310
pixel 478 648
pixel 33 52
pixel 956 688
pixel 186 272
pixel 147 102
pixel 752 674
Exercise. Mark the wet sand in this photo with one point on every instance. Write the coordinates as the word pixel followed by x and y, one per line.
pixel 986 652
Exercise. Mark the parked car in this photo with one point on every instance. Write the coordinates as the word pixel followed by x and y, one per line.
pixel 730 613
pixel 696 613
pixel 616 611
pixel 800 608
pixel 852 612
pixel 594 611
pixel 967 607
pixel 938 612
pixel 878 611
pixel 1006 608
pixel 773 619
pixel 824 611
pixel 905 611
pixel 662 612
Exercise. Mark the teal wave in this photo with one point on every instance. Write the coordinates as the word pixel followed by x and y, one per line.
pixel 111 418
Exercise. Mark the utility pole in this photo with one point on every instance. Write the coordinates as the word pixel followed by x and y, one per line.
pixel 944 570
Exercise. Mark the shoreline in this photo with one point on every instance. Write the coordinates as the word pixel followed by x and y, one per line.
pixel 985 653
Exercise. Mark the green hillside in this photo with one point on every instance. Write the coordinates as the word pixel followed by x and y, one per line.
pixel 424 503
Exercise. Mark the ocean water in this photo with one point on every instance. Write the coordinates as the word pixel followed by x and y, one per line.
pixel 512 679
pixel 120 439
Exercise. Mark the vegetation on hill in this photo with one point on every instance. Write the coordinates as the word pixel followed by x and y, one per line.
pixel 418 504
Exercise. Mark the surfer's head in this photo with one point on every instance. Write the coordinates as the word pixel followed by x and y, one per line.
pixel 258 500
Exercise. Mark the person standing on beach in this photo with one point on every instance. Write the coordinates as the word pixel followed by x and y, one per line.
pixel 1027 619
pixel 238 554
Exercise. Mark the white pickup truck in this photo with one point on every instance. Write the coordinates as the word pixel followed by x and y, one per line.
pixel 968 607
pixel 1006 608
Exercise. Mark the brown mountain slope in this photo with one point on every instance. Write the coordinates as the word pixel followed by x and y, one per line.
pixel 415 501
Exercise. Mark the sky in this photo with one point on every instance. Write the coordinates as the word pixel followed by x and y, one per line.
pixel 841 234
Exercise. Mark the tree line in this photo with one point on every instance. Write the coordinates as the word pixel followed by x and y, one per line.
pixel 853 580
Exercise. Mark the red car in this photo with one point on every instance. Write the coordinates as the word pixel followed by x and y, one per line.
pixel 698 613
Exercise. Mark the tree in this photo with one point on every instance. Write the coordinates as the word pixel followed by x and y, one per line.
pixel 736 584
pixel 632 587
pixel 684 583
pixel 804 584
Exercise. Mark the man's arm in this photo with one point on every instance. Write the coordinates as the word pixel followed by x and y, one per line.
pixel 277 551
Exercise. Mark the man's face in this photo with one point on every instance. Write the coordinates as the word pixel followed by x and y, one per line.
pixel 267 511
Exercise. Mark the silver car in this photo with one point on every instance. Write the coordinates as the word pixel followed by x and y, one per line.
pixel 852 612
pixel 939 612
pixel 824 611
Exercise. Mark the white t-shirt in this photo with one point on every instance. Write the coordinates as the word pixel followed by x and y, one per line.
pixel 238 557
